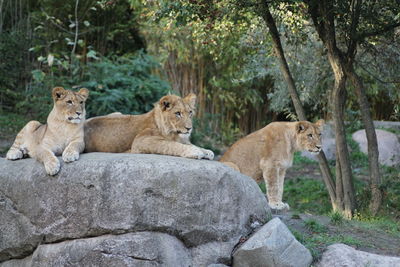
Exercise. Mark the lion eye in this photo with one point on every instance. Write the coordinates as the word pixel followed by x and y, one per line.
pixel 190 113
pixel 178 114
pixel 69 102
pixel 309 135
pixel 81 102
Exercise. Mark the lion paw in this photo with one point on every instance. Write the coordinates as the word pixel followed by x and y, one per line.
pixel 52 166
pixel 279 206
pixel 208 154
pixel 14 154
pixel 195 153
pixel 69 156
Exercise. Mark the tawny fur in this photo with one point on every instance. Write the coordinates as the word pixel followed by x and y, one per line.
pixel 268 153
pixel 164 130
pixel 61 135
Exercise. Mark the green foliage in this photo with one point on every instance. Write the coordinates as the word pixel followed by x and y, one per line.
pixel 336 217
pixel 382 223
pixel 124 84
pixel 314 226
pixel 298 159
pixel 11 123
pixel 307 195
pixel 317 242
pixel 14 64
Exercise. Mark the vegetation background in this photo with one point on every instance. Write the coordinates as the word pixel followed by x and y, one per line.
pixel 129 53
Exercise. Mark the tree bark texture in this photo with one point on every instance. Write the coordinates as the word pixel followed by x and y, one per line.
pixel 344 184
pixel 373 152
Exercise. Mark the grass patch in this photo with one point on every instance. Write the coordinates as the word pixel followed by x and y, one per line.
pixel 317 242
pixel 298 159
pixel 307 195
pixel 385 224
pixel 336 218
pixel 315 227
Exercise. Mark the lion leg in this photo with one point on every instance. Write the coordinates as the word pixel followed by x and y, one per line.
pixel 18 149
pixel 281 181
pixel 155 145
pixel 274 184
pixel 71 152
pixel 47 157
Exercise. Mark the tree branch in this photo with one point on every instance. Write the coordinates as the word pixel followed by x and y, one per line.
pixel 387 28
pixel 355 19
pixel 76 28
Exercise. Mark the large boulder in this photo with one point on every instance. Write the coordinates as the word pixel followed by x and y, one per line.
pixel 203 204
pixel 273 245
pixel 388 146
pixel 338 255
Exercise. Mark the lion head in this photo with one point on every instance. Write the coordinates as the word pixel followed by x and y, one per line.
pixel 309 136
pixel 177 113
pixel 71 105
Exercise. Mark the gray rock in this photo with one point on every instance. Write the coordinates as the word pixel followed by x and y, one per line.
pixel 132 249
pixel 272 246
pixel 213 252
pixel 338 255
pixel 388 146
pixel 328 144
pixel 197 201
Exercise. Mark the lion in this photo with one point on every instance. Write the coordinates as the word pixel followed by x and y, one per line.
pixel 61 135
pixel 268 153
pixel 164 130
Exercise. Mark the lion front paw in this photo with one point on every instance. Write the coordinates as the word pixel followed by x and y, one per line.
pixel 279 206
pixel 69 156
pixel 52 166
pixel 14 154
pixel 194 153
pixel 208 154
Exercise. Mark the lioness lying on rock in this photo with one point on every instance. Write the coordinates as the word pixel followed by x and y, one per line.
pixel 164 130
pixel 62 134
pixel 269 151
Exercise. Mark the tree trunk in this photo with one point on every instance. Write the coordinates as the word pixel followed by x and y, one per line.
pixel 344 184
pixel 373 152
pixel 324 22
pixel 277 45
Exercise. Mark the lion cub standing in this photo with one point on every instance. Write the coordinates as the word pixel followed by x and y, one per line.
pixel 164 130
pixel 268 152
pixel 63 133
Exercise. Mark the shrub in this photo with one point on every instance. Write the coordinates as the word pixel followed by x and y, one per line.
pixel 125 84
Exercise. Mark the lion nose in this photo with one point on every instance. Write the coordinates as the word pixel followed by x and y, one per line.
pixel 188 128
pixel 319 147
pixel 79 113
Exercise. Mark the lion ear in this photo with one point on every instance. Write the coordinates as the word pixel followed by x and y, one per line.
pixel 165 102
pixel 301 126
pixel 191 100
pixel 320 124
pixel 58 93
pixel 84 92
